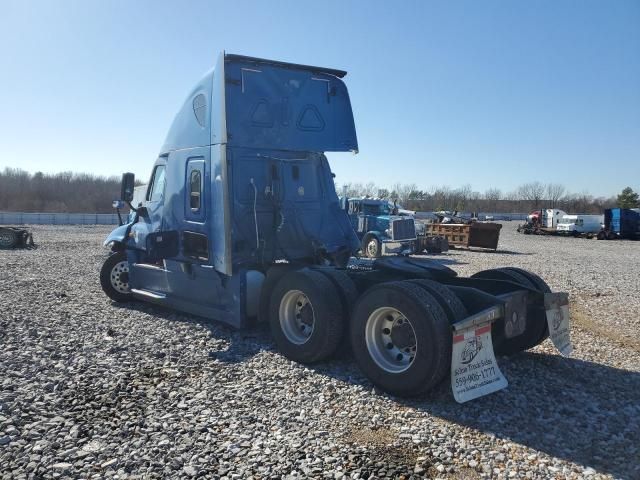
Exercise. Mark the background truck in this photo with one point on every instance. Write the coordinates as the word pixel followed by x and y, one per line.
pixel 578 225
pixel 241 222
pixel 620 223
pixel 542 222
pixel 380 229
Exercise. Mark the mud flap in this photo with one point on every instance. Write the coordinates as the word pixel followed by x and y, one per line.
pixel 556 306
pixel 474 369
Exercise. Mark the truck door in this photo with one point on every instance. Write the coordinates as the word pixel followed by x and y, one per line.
pixel 150 221
pixel 193 284
pixel 151 244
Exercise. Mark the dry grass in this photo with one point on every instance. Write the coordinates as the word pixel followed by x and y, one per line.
pixel 585 321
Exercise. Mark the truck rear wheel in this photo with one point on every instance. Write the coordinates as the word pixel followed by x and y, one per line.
pixel 536 329
pixel 348 298
pixel 542 286
pixel 306 317
pixel 345 286
pixel 401 338
pixel 450 303
pixel 114 277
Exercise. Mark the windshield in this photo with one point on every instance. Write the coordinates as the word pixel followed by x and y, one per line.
pixel 377 209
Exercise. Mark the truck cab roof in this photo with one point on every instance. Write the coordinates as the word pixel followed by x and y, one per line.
pixel 261 103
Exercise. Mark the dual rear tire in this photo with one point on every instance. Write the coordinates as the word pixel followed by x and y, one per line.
pixel 306 316
pixel 536 329
pixel 399 332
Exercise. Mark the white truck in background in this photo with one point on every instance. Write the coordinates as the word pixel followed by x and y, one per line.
pixel 577 225
pixel 546 218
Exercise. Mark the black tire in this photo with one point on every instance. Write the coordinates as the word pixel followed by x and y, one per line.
pixel 8 239
pixel 368 248
pixel 345 286
pixel 430 327
pixel 534 279
pixel 348 298
pixel 541 286
pixel 114 279
pixel 450 303
pixel 536 329
pixel 274 274
pixel 611 236
pixel 325 308
pixel 602 235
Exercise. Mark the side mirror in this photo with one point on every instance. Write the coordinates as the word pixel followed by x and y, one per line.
pixel 127 186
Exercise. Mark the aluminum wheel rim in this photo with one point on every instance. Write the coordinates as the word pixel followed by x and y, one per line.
pixel 372 248
pixel 391 340
pixel 297 318
pixel 120 277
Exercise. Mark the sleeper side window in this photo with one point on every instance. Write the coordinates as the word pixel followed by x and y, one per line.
pixel 156 188
pixel 195 190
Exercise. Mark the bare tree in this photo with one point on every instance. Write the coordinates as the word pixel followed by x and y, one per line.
pixel 370 190
pixel 492 196
pixel 532 192
pixel 555 191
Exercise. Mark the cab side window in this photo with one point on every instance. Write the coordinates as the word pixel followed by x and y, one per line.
pixel 156 188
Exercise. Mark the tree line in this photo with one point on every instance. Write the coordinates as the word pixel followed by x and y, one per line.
pixel 527 197
pixel 21 191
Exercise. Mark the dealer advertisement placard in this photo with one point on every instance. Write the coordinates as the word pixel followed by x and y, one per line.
pixel 474 370
pixel 558 319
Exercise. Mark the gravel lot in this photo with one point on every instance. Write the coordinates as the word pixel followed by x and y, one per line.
pixel 92 389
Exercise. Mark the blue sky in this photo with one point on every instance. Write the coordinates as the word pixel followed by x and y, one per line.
pixel 492 93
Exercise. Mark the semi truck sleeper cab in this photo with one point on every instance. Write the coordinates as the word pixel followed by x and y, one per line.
pixel 240 222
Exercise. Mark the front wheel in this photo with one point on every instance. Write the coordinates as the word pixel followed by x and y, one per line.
pixel 114 277
pixel 372 247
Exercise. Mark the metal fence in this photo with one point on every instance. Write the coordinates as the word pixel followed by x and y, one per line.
pixel 503 216
pixel 19 218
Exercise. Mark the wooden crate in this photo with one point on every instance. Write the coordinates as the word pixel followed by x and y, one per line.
pixel 456 234
pixel 483 235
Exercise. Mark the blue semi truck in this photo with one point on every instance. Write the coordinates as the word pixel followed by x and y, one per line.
pixel 620 223
pixel 379 228
pixel 241 222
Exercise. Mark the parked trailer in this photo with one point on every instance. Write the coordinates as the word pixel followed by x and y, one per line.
pixel 241 221
pixel 620 223
pixel 578 225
